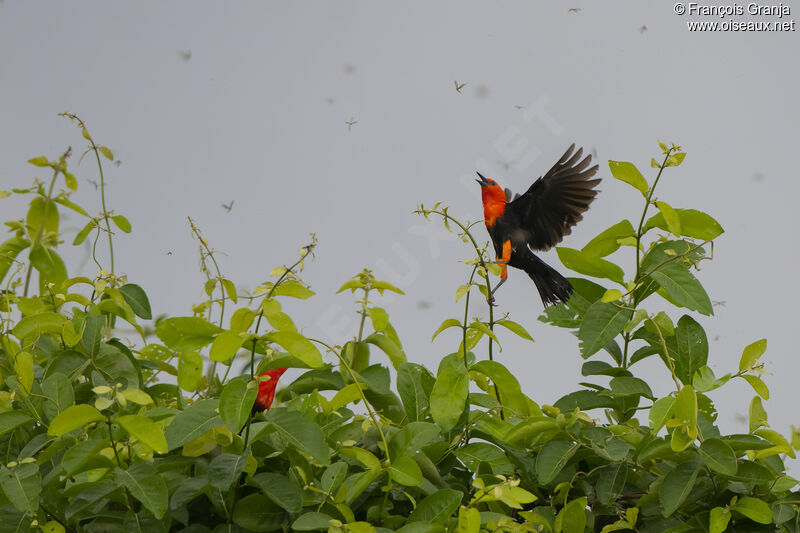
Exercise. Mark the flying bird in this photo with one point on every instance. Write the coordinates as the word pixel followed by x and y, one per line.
pixel 538 220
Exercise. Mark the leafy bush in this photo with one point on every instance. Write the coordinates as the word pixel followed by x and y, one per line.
pixel 97 435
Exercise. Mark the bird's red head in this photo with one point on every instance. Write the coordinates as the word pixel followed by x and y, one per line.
pixel 494 199
pixel 266 388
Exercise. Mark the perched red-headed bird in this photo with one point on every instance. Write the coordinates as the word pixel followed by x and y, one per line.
pixel 538 220
pixel 266 389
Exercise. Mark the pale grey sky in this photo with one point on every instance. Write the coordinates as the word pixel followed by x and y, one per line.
pixel 210 102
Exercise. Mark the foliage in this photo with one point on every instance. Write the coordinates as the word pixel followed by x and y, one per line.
pixel 99 435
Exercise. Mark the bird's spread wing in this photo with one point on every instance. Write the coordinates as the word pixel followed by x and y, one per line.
pixel 556 201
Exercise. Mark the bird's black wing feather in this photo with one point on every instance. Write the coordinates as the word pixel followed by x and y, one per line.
pixel 556 201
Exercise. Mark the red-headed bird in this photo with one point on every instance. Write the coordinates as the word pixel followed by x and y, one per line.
pixel 266 389
pixel 538 220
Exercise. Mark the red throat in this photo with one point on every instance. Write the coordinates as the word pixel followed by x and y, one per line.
pixel 266 389
pixel 494 203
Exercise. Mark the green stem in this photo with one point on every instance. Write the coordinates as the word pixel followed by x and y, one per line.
pixel 308 250
pixel 639 234
pixel 372 414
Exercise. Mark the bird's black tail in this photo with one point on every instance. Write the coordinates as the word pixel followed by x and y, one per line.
pixel 552 285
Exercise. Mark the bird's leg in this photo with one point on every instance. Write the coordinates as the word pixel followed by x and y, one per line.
pixel 503 262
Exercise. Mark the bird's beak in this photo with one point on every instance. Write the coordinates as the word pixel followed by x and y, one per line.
pixel 483 182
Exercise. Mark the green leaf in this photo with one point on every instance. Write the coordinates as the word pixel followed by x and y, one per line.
pixel 23 366
pixel 230 289
pixel 484 329
pixel 718 456
pixel 136 297
pixel 661 411
pixel 758 416
pixel 381 286
pixel 9 251
pixel 611 482
pixel 515 328
pixel 302 432
pixel 692 345
pixel 43 215
pixel 242 319
pixel 186 333
pixel 601 323
pixel 225 346
pixel 406 472
pixel 682 288
pixel 225 469
pixel 22 485
pixel 671 218
pixel 49 264
pixel 190 370
pixel 122 223
pixel 40 161
pixel 572 517
pixel 511 395
pixel 719 519
pixel 449 323
pixel 70 181
pixel 630 386
pixel 146 485
pixel 73 418
pixel 759 386
pixel 298 346
pixel 754 509
pixel 10 420
pixel 379 318
pixel 607 242
pixel 686 408
pixel 676 486
pixel 389 347
pixel 414 385
pixel 462 290
pixel 59 392
pixel 292 288
pixel 438 507
pixel 469 520
pixel 145 430
pixel 82 234
pixel 628 173
pixel 255 512
pixel 280 489
pixel 311 521
pixel 694 224
pixel 751 354
pixel 664 265
pixel 236 403
pixel 553 457
pixel 590 265
pixel 106 152
pixel 192 422
pixel 39 324
pixel 449 395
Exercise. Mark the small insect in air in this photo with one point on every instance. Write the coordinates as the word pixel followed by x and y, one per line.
pixel 117 163
pixel 642 29
pixel 228 207
pixel 459 87
pixel 169 253
pixel 574 10
pixel 186 55
pixel 350 123
pixel 93 183
pixel 718 303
